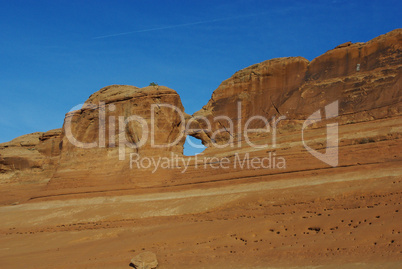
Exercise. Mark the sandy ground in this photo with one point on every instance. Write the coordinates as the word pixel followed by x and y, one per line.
pixel 306 221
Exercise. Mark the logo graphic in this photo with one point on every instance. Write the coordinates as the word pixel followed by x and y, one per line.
pixel 331 153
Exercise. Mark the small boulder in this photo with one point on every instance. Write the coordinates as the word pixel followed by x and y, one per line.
pixel 144 260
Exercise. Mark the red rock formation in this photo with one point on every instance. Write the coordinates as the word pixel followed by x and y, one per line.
pixel 307 213
pixel 364 77
pixel 106 163
pixel 29 154
pixel 27 163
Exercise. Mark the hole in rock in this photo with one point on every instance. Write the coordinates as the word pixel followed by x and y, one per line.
pixel 193 146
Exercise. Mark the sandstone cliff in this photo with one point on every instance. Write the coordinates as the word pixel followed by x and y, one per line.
pixel 77 203
pixel 365 78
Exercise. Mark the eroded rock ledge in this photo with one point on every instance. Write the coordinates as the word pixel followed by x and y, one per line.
pixel 365 78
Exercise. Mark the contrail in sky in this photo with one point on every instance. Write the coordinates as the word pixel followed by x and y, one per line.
pixel 176 26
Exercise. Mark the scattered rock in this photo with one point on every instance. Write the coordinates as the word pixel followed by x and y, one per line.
pixel 346 44
pixel 144 260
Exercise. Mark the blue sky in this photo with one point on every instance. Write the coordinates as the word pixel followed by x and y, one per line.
pixel 54 54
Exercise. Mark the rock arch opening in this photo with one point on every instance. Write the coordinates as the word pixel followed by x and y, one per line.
pixel 193 146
